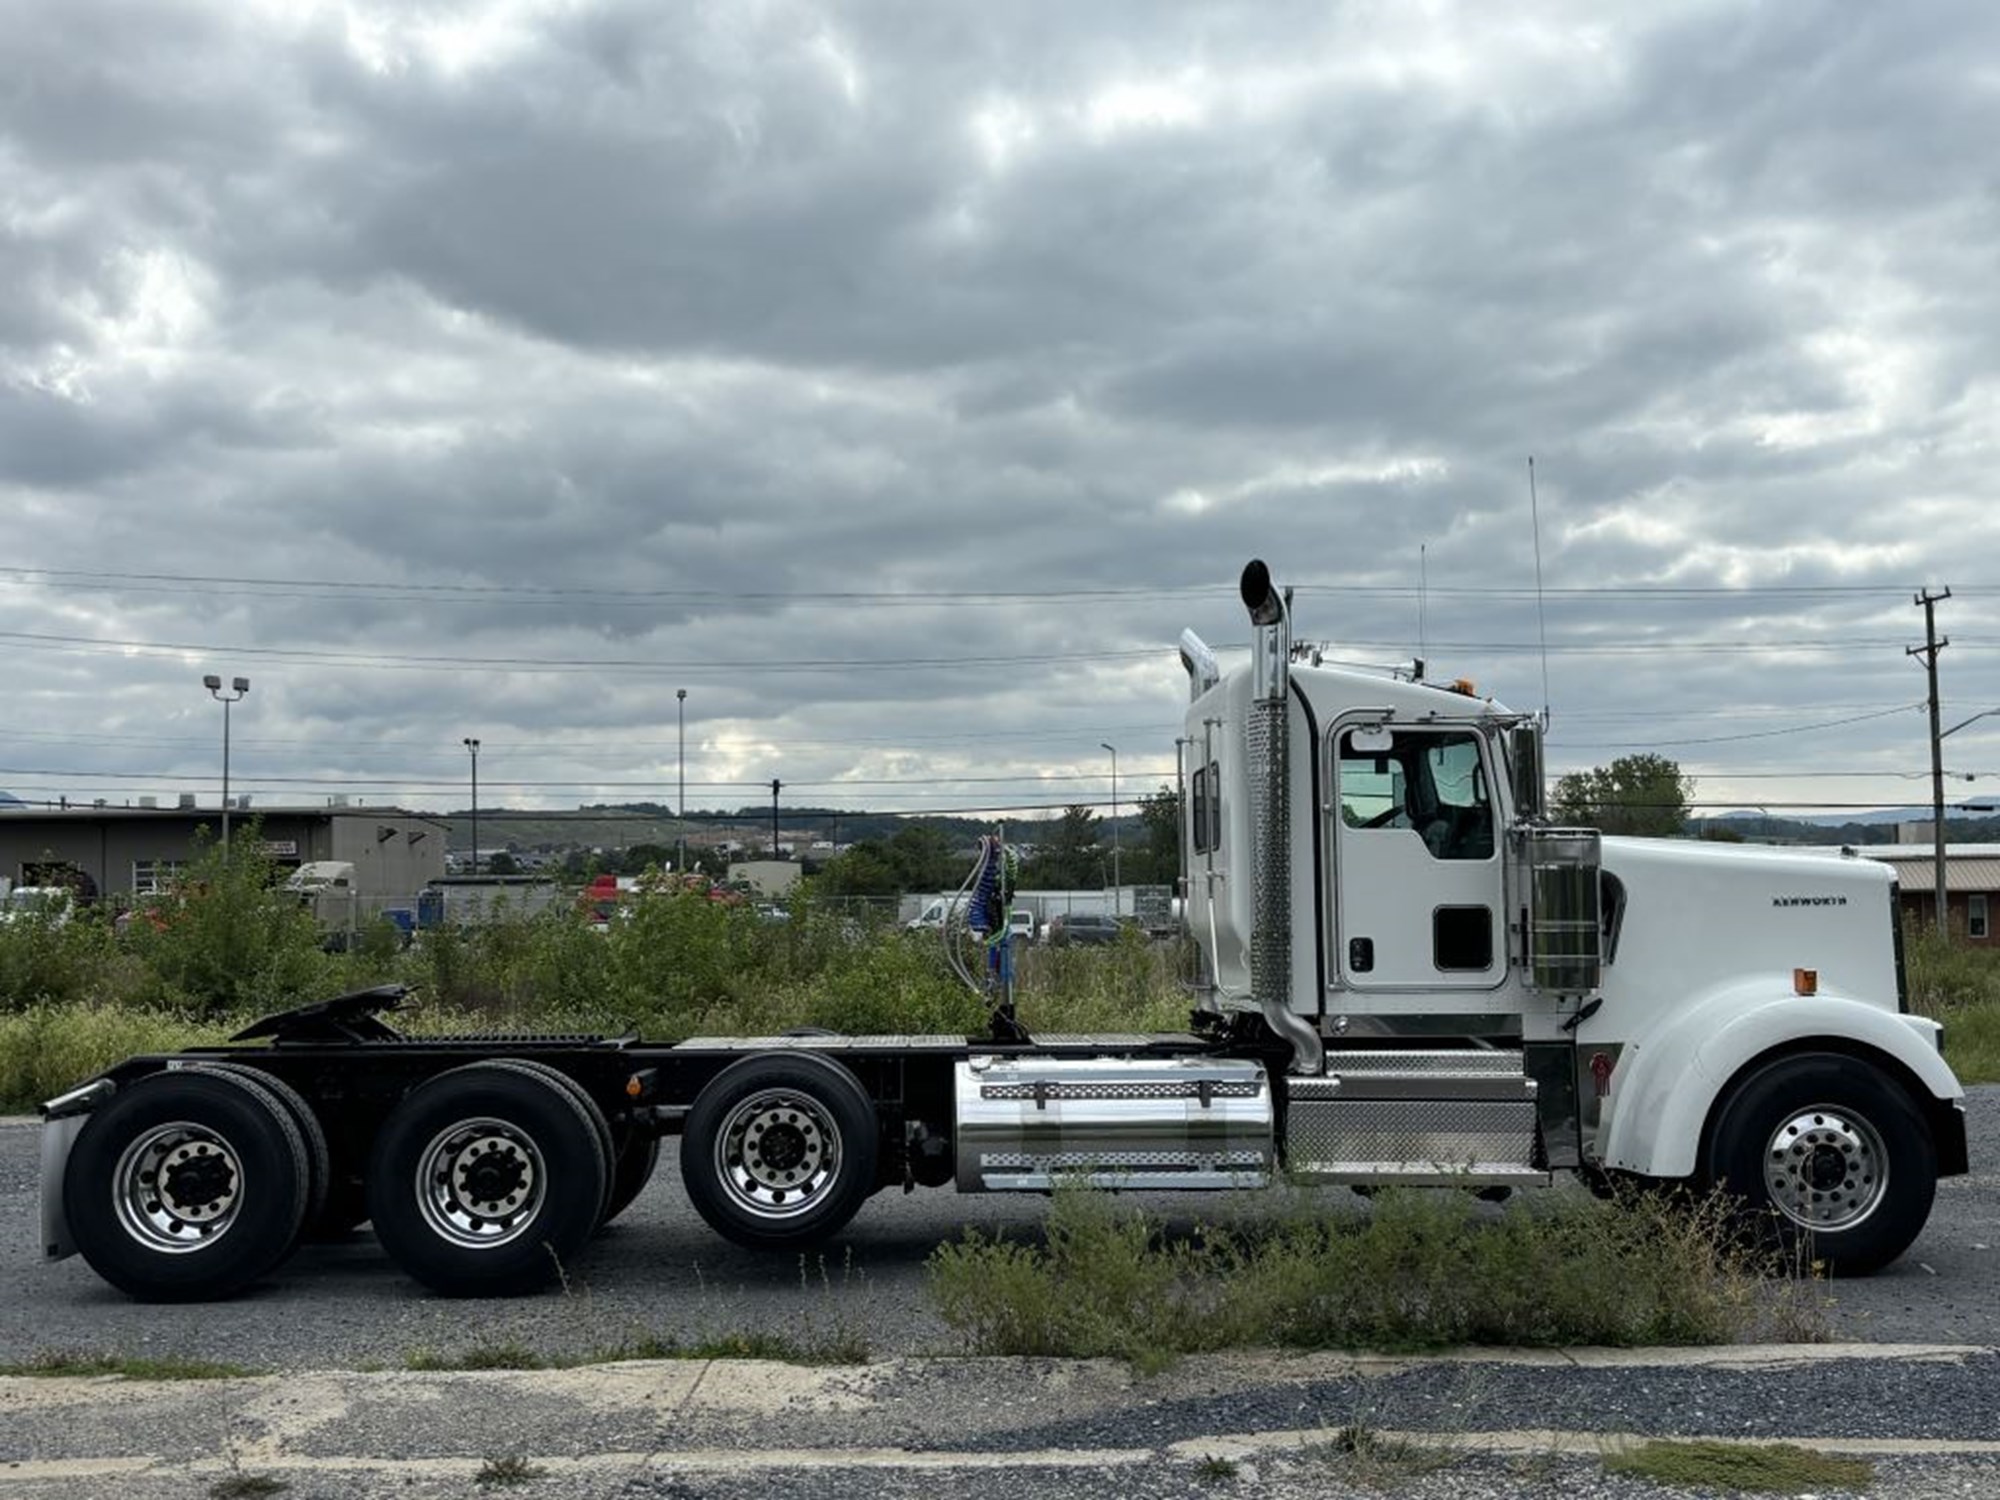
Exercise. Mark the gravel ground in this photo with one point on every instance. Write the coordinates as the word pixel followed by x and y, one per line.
pixel 1293 1477
pixel 1467 1477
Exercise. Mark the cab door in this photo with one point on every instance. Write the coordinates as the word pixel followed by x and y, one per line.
pixel 1418 879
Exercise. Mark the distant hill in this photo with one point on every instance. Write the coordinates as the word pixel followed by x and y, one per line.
pixel 1874 827
pixel 621 825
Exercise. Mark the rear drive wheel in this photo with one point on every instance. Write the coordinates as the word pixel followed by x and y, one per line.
pixel 600 1127
pixel 1829 1156
pixel 319 1164
pixel 779 1150
pixel 486 1181
pixel 188 1185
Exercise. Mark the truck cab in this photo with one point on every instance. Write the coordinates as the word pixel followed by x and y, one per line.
pixel 1372 876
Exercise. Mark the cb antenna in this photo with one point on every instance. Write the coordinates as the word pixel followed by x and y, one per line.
pixel 1423 598
pixel 1541 610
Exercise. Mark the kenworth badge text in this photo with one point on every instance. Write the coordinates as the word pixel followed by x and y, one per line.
pixel 1411 976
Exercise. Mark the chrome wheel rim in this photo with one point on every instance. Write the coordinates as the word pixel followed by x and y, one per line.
pixel 178 1187
pixel 1826 1168
pixel 481 1183
pixel 778 1153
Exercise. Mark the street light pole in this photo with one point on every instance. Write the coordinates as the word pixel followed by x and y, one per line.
pixel 473 745
pixel 681 803
pixel 239 686
pixel 1117 879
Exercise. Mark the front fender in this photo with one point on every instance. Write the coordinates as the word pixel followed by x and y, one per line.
pixel 1665 1086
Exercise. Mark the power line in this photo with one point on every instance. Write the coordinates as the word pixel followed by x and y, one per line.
pixel 1753 734
pixel 421 783
pixel 492 592
pixel 385 661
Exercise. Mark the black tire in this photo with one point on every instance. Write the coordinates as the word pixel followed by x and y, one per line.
pixel 779 1150
pixel 319 1163
pixel 598 1124
pixel 517 1224
pixel 1830 1158
pixel 187 1186
pixel 631 1173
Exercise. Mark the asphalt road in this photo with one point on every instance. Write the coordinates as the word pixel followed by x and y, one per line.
pixel 660 1272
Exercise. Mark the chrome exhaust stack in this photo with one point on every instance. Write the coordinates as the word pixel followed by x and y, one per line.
pixel 1203 673
pixel 1270 818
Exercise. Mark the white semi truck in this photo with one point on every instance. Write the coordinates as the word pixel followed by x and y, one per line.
pixel 1411 977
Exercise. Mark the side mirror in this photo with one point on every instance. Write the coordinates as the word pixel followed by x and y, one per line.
pixel 1524 764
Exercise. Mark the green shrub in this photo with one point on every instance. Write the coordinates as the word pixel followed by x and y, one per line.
pixel 1423 1270
pixel 223 939
pixel 48 961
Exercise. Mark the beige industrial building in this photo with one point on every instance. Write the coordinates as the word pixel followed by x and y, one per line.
pixel 117 853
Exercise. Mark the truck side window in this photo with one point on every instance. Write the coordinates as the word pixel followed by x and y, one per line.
pixel 1431 782
pixel 1460 825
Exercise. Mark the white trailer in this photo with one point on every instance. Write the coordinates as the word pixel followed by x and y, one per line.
pixel 1412 977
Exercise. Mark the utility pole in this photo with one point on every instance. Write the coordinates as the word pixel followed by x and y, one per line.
pixel 1932 645
pixel 775 784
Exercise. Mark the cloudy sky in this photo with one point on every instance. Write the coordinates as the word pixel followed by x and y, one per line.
pixel 898 379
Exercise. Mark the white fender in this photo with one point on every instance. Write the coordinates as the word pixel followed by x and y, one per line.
pixel 1666 1084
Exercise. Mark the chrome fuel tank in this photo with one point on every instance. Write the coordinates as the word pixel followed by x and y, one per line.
pixel 1024 1124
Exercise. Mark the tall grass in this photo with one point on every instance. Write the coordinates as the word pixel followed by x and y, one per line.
pixel 47 1049
pixel 1422 1270
pixel 1959 985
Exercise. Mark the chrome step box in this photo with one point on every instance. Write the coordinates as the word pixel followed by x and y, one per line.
pixel 1027 1124
pixel 1440 1118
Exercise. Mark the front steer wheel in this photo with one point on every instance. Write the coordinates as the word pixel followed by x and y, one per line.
pixel 487 1181
pixel 779 1151
pixel 1830 1159
pixel 188 1185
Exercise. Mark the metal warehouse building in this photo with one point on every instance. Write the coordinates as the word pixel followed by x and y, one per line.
pixel 121 852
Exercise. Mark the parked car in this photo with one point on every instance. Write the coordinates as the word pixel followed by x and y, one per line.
pixel 47 903
pixel 1082 928
pixel 1021 925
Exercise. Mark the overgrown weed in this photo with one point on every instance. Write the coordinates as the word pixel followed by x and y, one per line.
pixel 1422 1270
pixel 60 1363
pixel 1774 1468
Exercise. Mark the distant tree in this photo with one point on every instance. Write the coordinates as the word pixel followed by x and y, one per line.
pixel 1158 857
pixel 1642 794
pixel 921 856
pixel 643 857
pixel 864 870
pixel 502 863
pixel 1069 857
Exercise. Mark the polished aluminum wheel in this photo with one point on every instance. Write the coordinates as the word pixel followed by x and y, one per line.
pixel 778 1152
pixel 178 1187
pixel 1826 1168
pixel 481 1183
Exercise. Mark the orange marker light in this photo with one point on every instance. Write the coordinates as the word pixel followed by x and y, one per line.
pixel 634 1088
pixel 1805 981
